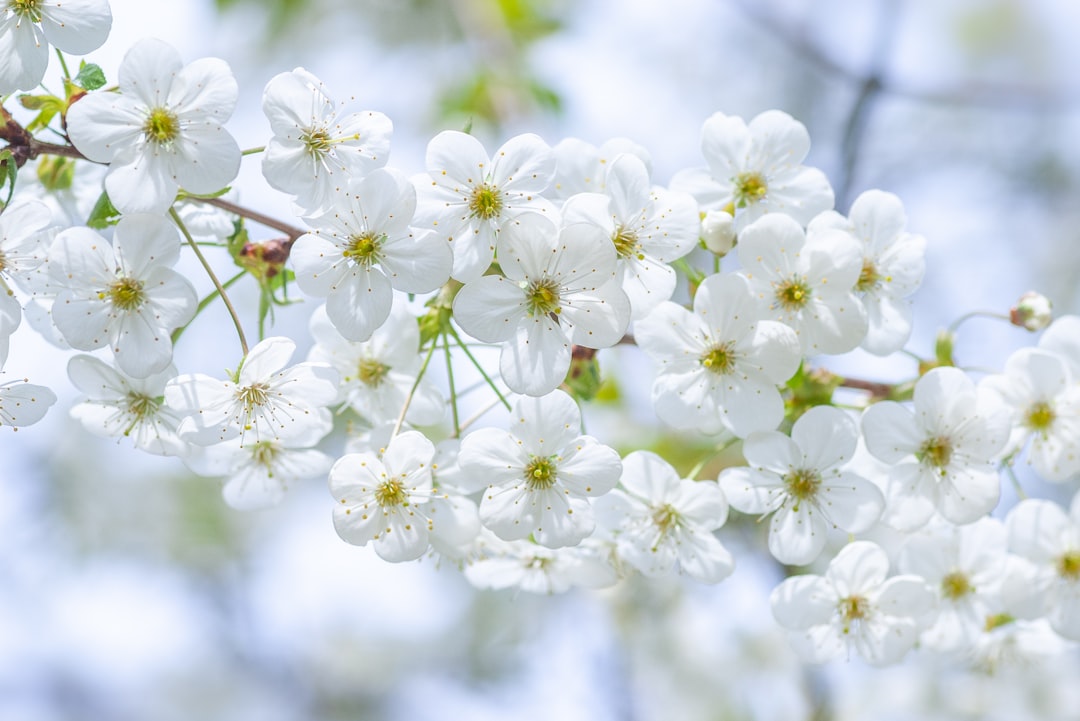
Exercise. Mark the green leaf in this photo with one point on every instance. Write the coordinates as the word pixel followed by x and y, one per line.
pixel 49 105
pixel 90 76
pixel 56 172
pixel 104 213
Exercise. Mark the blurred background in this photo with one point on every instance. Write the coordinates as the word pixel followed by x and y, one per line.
pixel 128 590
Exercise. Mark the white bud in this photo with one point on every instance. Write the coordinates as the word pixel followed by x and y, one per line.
pixel 718 231
pixel 1033 311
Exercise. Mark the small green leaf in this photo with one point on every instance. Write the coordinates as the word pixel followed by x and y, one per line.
pixel 104 213
pixel 90 76
pixel 11 172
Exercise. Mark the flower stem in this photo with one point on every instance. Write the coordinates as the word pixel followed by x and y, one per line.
pixel 205 302
pixel 253 151
pixel 450 380
pixel 461 344
pixel 213 277
pixel 290 230
pixel 412 391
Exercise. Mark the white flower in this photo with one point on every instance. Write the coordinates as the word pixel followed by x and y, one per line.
pixel 966 566
pixel 942 455
pixel 1033 311
pixel 721 364
pixel 893 265
pixel 582 168
pixel 853 606
pixel 469 198
pixel 806 281
pixel 718 232
pixel 22 403
pixel 1045 401
pixel 541 472
pixel 265 401
pixel 558 289
pixel 363 248
pixel 120 406
pixel 755 169
pixel 162 131
pixel 661 520
pixel 1063 338
pixel 314 152
pixel 125 295
pixel 536 569
pixel 28 27
pixel 801 480
pixel 23 239
pixel 378 374
pixel 1041 532
pixel 387 499
pixel 259 474
pixel 650 228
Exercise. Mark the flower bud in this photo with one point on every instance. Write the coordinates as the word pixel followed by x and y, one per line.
pixel 1033 311
pixel 718 232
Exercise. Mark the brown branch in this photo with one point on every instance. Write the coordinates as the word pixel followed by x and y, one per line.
pixel 290 230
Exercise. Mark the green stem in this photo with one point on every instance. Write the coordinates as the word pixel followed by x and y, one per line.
pixel 253 151
pixel 205 302
pixel 1007 465
pixel 461 344
pixel 412 391
pixel 213 277
pixel 692 475
pixel 453 388
pixel 63 64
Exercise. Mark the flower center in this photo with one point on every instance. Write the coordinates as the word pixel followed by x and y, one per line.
pixel 364 248
pixel 956 585
pixel 749 189
pixel 139 408
pixel 626 243
pixel 869 278
pixel 253 395
pixel 936 452
pixel 541 473
pixel 125 294
pixel 372 372
pixel 793 293
pixel 264 453
pixel 852 610
pixel 317 142
pixel 801 484
pixel 719 360
pixel 1068 566
pixel 162 126
pixel 542 297
pixel 486 202
pixel 391 493
pixel 1040 417
pixel 665 517
pixel 27 9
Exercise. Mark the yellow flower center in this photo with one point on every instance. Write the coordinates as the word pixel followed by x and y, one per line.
pixel 626 243
pixel 253 396
pixel 125 294
pixel 541 473
pixel 162 126
pixel 391 493
pixel 372 372
pixel 793 294
pixel 486 202
pixel 1068 566
pixel 364 248
pixel 852 610
pixel 263 453
pixel 801 484
pixel 869 278
pixel 1040 417
pixel 749 189
pixel 956 585
pixel 317 142
pixel 720 359
pixel 27 9
pixel 936 452
pixel 542 297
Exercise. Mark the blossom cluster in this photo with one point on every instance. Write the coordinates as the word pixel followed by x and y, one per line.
pixel 732 281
